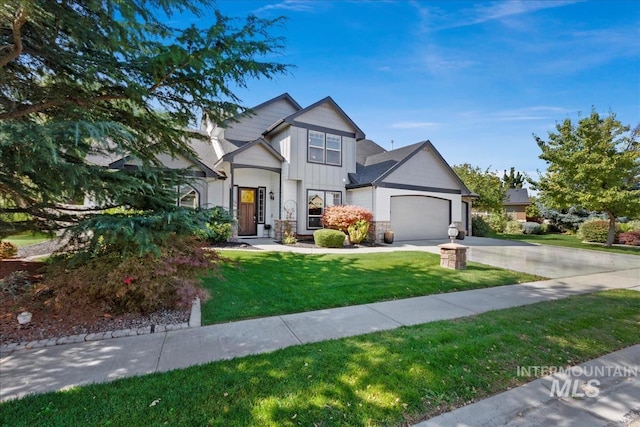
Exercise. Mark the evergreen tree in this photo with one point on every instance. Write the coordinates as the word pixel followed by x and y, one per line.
pixel 513 180
pixel 84 79
pixel 594 165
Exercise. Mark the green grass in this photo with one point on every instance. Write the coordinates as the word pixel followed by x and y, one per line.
pixel 569 241
pixel 25 239
pixel 258 284
pixel 380 379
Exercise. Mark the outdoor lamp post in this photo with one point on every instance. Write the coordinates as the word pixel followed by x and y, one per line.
pixel 452 231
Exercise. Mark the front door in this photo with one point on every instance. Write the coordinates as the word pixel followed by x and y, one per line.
pixel 247 223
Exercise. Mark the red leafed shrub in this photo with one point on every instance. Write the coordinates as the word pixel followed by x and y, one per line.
pixel 143 283
pixel 340 217
pixel 631 238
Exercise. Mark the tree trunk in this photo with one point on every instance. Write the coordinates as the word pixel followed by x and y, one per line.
pixel 611 237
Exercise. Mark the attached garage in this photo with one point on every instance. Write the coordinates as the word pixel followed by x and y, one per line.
pixel 420 217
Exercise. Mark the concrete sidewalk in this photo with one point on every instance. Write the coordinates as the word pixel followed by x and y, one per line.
pixel 607 393
pixel 59 367
pixel 573 272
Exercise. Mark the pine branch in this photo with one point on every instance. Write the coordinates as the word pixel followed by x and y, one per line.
pixel 37 108
pixel 20 20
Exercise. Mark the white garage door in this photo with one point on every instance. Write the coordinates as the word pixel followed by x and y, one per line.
pixel 419 217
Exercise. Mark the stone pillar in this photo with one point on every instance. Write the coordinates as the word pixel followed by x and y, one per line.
pixel 453 256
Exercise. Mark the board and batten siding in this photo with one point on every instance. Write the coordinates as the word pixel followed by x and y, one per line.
pixel 423 169
pixel 251 126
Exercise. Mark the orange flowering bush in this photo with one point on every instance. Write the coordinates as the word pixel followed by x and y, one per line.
pixel 341 217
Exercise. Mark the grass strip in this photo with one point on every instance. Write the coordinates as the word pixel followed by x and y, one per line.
pixel 259 284
pixel 380 379
pixel 568 241
pixel 26 239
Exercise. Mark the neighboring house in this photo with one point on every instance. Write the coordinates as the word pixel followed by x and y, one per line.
pixel 516 202
pixel 282 162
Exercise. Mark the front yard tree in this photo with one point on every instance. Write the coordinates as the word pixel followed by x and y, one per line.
pixel 85 79
pixel 594 165
pixel 484 183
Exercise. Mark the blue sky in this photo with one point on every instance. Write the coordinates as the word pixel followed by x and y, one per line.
pixel 477 78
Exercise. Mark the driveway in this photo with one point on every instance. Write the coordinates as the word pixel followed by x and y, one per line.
pixel 544 260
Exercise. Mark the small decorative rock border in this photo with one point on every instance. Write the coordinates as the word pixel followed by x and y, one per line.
pixel 194 322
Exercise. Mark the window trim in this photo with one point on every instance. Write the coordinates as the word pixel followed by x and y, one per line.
pixel 325 149
pixel 261 201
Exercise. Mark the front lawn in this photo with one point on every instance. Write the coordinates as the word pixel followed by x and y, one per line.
pixel 569 241
pixel 26 239
pixel 382 379
pixel 272 283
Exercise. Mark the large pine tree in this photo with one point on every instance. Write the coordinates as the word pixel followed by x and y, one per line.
pixel 85 78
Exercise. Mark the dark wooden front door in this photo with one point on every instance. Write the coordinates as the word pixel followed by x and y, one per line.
pixel 247 223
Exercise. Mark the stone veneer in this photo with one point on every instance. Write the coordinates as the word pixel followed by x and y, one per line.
pixel 280 226
pixel 377 230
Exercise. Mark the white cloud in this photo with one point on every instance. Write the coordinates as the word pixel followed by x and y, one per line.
pixel 435 19
pixel 290 5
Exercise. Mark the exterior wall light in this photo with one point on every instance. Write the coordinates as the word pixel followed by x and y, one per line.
pixel 271 195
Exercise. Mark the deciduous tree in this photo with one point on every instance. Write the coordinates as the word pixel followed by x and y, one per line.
pixel 484 183
pixel 594 164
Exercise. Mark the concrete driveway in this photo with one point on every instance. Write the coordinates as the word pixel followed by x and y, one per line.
pixel 548 261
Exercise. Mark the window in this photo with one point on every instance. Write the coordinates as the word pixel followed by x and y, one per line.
pixel 188 197
pixel 325 148
pixel 262 192
pixel 317 202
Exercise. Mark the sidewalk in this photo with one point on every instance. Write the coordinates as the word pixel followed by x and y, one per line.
pixel 59 367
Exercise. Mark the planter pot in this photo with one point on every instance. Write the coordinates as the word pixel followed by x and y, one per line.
pixel 388 237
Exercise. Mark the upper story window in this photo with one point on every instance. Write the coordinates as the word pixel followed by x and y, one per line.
pixel 325 148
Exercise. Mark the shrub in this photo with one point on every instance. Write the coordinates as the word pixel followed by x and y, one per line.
pixel 513 227
pixel 7 250
pixel 594 230
pixel 358 231
pixel 479 227
pixel 631 238
pixel 531 228
pixel 498 221
pixel 141 283
pixel 340 217
pixel 548 227
pixel 633 225
pixel 218 228
pixel 329 238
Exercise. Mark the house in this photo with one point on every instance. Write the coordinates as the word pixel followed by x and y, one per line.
pixel 516 202
pixel 281 165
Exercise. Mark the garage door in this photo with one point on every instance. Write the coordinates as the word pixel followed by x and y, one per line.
pixel 419 217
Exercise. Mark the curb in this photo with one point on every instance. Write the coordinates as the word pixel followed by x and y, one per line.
pixel 194 322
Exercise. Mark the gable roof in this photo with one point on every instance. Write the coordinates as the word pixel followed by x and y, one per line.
pixel 249 111
pixel 377 167
pixel 291 120
pixel 516 196
pixel 228 157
